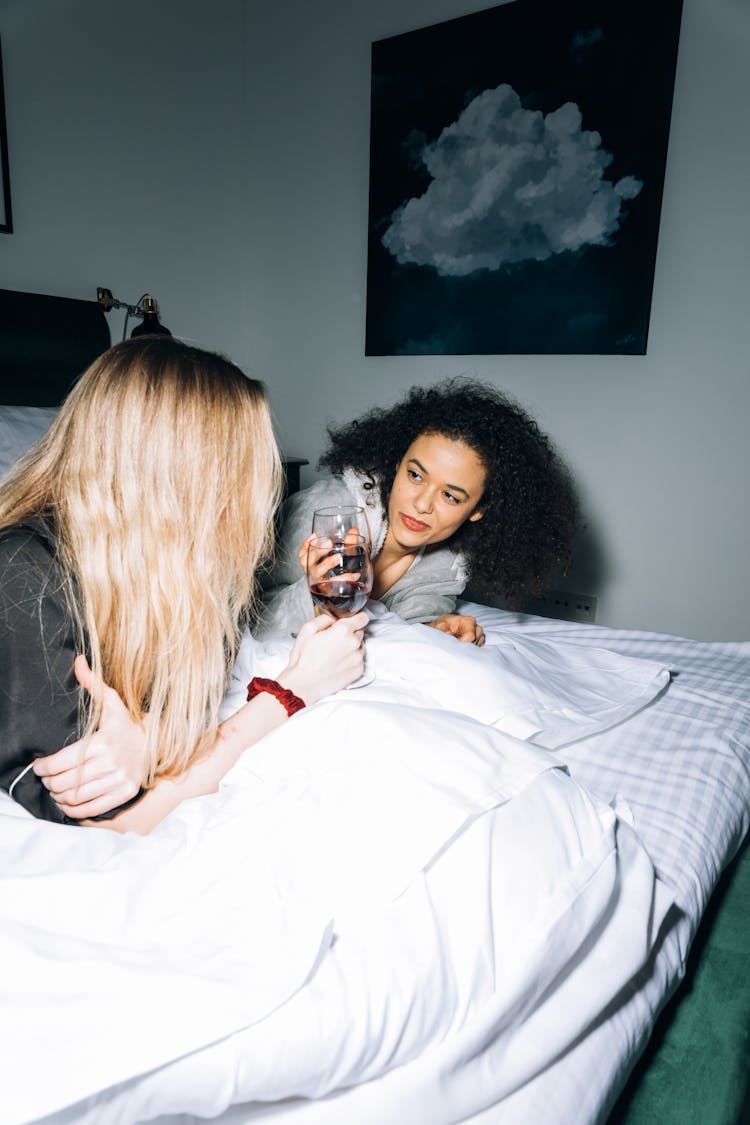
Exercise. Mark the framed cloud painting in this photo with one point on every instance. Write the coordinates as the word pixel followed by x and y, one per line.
pixel 516 175
pixel 6 222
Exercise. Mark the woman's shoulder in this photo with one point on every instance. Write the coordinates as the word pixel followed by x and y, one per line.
pixel 31 538
pixel 29 567
pixel 442 560
pixel 328 488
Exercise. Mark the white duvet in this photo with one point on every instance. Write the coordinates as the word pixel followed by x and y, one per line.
pixel 397 879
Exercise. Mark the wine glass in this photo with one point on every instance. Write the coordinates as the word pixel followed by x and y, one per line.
pixel 336 521
pixel 340 577
pixel 339 573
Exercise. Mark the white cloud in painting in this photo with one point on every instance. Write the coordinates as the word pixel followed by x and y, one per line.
pixel 509 185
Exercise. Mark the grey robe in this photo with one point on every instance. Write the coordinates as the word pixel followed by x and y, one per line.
pixel 429 587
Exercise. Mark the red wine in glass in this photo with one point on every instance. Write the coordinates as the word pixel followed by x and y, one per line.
pixel 340 602
pixel 339 574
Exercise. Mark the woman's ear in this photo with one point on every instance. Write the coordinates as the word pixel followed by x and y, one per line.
pixel 476 515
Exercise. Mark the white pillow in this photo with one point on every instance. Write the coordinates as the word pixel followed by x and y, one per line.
pixel 550 693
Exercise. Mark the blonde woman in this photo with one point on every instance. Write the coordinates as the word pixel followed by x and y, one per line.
pixel 129 542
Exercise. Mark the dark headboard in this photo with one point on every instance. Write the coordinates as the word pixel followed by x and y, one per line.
pixel 45 344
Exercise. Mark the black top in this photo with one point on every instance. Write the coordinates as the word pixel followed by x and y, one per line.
pixel 40 699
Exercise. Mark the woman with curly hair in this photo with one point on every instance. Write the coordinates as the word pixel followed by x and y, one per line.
pixel 460 486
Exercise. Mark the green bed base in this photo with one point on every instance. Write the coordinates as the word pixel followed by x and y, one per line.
pixel 696 1067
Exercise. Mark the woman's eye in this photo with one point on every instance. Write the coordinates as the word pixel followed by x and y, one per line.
pixel 413 474
pixel 449 496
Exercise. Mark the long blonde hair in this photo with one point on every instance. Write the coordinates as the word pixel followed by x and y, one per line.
pixel 160 477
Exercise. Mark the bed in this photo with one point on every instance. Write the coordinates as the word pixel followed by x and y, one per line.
pixel 461 893
pixel 45 343
pixel 467 893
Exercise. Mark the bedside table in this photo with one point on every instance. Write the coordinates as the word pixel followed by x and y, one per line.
pixel 292 466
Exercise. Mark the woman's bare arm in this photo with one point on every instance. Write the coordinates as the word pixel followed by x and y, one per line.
pixel 327 655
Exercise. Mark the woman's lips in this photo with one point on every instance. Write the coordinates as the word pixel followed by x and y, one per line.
pixel 413 525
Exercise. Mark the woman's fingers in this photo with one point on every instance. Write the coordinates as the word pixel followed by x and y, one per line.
pixel 86 678
pixel 357 622
pixel 327 655
pixel 104 769
pixel 313 557
pixel 302 554
pixel 77 755
pixel 314 625
pixel 87 771
pixel 90 774
pixel 75 793
pixel 84 810
pixel 68 760
pixel 461 626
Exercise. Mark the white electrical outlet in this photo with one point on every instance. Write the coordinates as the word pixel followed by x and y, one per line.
pixel 564 605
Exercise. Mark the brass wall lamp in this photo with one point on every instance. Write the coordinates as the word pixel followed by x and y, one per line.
pixel 145 307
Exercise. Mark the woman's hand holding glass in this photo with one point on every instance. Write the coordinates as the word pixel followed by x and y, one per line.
pixel 339 573
pixel 340 577
pixel 328 655
pixel 335 524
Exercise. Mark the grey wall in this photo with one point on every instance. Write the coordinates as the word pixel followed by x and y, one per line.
pixel 223 166
pixel 128 156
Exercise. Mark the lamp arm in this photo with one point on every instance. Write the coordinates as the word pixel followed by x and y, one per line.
pixel 107 301
pixel 145 307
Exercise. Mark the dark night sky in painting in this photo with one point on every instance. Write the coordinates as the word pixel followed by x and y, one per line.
pixel 503 219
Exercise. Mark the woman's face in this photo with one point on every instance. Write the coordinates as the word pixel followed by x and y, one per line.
pixel 438 486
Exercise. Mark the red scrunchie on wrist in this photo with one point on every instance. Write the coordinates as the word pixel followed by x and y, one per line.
pixel 288 700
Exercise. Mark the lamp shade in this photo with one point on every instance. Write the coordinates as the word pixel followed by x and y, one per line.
pixel 150 324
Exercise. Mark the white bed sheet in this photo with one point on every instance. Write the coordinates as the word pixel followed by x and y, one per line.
pixel 682 764
pixel 503 967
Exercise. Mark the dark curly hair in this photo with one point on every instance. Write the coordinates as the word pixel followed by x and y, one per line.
pixel 529 503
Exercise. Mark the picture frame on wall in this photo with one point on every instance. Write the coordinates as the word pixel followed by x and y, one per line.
pixel 517 161
pixel 6 217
